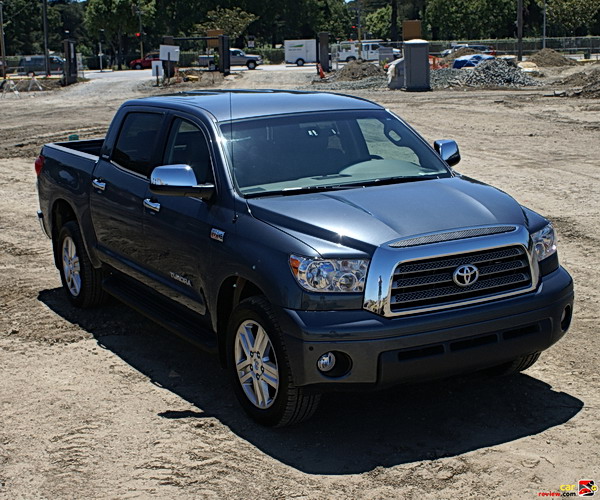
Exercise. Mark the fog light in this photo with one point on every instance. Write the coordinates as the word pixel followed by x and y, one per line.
pixel 326 362
pixel 565 319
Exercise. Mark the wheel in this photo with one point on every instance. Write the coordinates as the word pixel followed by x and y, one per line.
pixel 251 64
pixel 350 58
pixel 81 281
pixel 137 66
pixel 300 62
pixel 259 368
pixel 516 366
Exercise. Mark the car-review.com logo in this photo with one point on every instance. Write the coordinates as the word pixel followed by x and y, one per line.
pixel 585 488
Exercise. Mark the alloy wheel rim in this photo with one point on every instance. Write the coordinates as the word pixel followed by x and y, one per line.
pixel 256 364
pixel 71 266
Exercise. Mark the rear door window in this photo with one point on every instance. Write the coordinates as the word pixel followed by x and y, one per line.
pixel 137 139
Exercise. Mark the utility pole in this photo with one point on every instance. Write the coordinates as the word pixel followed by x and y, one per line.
pixel 45 19
pixel 520 30
pixel 100 53
pixel 2 48
pixel 544 27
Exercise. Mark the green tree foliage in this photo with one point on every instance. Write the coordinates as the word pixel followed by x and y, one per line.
pixel 567 16
pixel 379 22
pixel 471 19
pixel 234 22
pixel 23 28
pixel 117 18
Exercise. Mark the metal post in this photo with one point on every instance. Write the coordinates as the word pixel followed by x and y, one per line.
pixel 2 48
pixel 139 13
pixel 45 22
pixel 100 53
pixel 544 27
pixel 520 30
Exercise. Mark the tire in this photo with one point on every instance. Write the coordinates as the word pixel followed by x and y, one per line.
pixel 516 366
pixel 251 64
pixel 263 384
pixel 81 281
pixel 350 59
pixel 300 62
pixel 137 66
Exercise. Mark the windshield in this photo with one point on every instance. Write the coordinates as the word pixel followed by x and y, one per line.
pixel 333 150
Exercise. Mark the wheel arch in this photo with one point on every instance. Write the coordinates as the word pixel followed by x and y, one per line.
pixel 61 213
pixel 233 290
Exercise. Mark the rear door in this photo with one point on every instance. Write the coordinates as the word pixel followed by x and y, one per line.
pixel 177 230
pixel 119 186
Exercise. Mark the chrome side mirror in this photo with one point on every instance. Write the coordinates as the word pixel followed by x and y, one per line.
pixel 179 180
pixel 448 151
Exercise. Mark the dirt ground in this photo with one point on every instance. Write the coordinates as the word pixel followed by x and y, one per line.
pixel 104 404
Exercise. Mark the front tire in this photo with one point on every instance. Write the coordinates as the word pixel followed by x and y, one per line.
pixel 259 367
pixel 81 281
pixel 516 366
pixel 137 66
pixel 251 64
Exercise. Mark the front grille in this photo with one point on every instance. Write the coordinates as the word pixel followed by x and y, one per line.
pixel 429 284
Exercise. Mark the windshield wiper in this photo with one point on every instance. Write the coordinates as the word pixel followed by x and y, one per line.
pixel 304 190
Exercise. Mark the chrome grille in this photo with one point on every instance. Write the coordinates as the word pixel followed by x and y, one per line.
pixel 428 283
pixel 452 235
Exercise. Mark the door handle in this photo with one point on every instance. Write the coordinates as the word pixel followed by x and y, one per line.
pixel 99 184
pixel 152 205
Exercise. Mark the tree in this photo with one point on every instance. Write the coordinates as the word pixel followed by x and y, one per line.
pixel 471 19
pixel 23 31
pixel 234 22
pixel 117 18
pixel 566 16
pixel 379 22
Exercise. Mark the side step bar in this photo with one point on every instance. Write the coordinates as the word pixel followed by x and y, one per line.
pixel 172 317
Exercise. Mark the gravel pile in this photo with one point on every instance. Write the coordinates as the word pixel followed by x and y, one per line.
pixel 445 78
pixel 497 73
pixel 549 57
pixel 371 82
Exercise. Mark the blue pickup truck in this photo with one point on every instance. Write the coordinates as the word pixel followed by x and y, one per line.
pixel 313 241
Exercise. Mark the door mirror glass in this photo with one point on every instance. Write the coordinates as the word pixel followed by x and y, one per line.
pixel 448 151
pixel 178 180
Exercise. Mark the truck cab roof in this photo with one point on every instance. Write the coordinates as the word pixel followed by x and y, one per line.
pixel 226 105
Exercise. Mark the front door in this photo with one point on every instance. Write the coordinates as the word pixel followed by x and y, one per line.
pixel 178 228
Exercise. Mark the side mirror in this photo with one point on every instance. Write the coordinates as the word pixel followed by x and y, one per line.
pixel 179 180
pixel 448 151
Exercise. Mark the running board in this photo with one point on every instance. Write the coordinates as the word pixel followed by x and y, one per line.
pixel 170 316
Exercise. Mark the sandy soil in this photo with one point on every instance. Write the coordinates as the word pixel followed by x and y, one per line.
pixel 104 404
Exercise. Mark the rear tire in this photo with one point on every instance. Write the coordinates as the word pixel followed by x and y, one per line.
pixel 81 281
pixel 137 66
pixel 516 366
pixel 300 62
pixel 258 364
pixel 350 59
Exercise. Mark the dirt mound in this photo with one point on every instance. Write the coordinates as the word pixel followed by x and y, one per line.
pixel 591 90
pixel 549 57
pixel 582 78
pixel 357 70
pixel 465 51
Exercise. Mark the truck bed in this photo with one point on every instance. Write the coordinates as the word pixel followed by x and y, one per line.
pixel 91 147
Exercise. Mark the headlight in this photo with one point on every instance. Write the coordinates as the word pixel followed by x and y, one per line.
pixel 330 275
pixel 544 242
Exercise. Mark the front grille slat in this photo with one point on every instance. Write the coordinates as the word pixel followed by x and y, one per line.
pixel 429 283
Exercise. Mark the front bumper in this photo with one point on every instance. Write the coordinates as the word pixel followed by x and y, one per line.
pixel 385 351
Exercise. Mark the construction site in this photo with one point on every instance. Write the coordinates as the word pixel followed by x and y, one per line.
pixel 106 404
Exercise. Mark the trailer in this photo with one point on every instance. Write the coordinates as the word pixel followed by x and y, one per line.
pixel 300 52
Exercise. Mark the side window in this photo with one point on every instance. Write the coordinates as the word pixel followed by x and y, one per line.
pixel 187 145
pixel 136 141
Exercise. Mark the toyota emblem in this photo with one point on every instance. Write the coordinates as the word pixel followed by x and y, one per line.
pixel 465 275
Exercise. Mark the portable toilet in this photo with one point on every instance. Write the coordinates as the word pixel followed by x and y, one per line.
pixel 416 65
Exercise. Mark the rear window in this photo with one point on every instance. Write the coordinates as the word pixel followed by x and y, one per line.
pixel 136 142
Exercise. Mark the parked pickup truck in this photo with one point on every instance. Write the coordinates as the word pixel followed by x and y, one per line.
pixel 237 57
pixel 314 241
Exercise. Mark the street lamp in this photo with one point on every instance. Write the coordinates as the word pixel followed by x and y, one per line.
pixel 544 28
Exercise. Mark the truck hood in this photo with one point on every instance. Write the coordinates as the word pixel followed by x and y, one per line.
pixel 364 218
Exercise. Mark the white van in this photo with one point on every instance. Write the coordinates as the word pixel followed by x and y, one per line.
pixel 367 50
pixel 300 52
